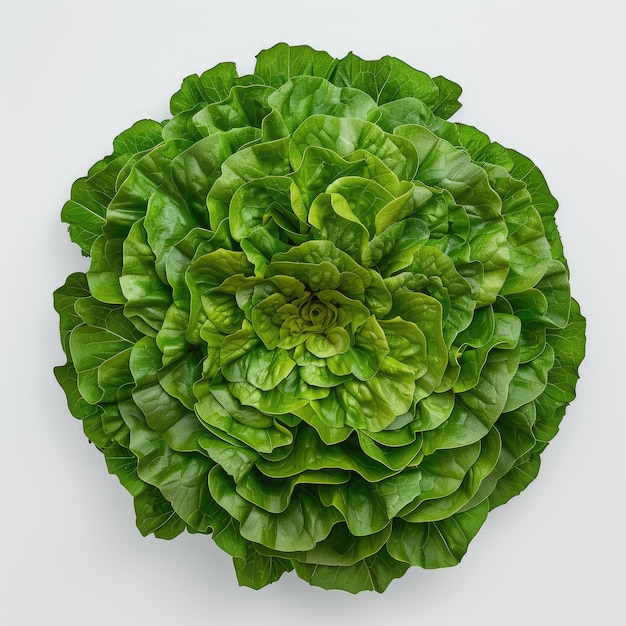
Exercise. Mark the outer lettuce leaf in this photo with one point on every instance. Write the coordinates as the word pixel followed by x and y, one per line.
pixel 278 64
pixel 386 80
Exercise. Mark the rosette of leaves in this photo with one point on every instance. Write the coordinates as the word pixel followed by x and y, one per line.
pixel 321 322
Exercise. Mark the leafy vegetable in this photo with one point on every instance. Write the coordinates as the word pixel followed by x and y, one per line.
pixel 321 322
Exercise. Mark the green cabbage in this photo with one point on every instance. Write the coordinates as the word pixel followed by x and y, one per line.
pixel 321 322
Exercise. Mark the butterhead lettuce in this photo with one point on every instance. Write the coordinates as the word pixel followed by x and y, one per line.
pixel 321 322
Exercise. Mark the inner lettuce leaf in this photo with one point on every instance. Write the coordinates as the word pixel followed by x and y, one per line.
pixel 322 323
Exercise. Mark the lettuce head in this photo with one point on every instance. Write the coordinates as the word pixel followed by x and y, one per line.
pixel 321 323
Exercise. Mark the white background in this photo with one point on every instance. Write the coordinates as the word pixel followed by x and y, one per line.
pixel 545 77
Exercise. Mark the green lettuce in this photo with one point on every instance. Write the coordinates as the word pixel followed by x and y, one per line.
pixel 321 322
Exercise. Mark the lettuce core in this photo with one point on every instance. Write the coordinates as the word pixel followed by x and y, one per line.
pixel 321 322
